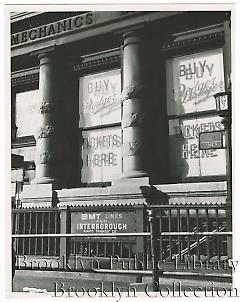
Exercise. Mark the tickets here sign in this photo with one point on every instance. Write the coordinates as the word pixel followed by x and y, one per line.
pixel 103 222
pixel 187 160
pixel 101 155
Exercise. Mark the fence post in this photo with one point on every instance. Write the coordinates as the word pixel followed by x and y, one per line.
pixel 64 242
pixel 139 229
pixel 154 249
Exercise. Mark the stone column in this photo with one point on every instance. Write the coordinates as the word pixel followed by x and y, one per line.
pixel 133 97
pixel 46 135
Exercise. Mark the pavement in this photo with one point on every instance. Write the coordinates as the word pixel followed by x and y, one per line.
pixel 104 285
pixel 59 284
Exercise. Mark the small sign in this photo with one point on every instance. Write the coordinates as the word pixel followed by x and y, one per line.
pixel 211 140
pixel 103 222
pixel 223 102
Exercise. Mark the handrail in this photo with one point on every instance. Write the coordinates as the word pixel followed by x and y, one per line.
pixel 82 235
pixel 121 234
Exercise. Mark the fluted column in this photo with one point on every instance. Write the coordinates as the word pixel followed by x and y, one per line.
pixel 134 115
pixel 46 134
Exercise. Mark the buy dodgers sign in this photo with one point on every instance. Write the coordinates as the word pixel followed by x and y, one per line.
pixel 100 98
pixel 193 80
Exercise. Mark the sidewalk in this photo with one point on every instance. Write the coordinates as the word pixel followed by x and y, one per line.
pixel 68 282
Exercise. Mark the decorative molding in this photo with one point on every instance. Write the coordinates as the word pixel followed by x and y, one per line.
pixel 46 107
pixel 194 41
pixel 133 119
pixel 45 157
pixel 132 148
pixel 133 91
pixel 98 62
pixel 25 79
pixel 44 132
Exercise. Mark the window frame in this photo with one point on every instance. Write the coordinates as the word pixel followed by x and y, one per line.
pixel 183 44
pixel 22 81
pixel 93 64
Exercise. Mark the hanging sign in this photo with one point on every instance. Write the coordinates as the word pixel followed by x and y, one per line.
pixel 211 140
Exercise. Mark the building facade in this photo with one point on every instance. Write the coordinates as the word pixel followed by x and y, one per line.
pixel 108 107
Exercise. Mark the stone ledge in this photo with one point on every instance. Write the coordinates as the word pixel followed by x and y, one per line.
pixel 193 187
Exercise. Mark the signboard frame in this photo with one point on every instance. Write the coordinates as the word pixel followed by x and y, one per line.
pixel 222 146
pixel 103 216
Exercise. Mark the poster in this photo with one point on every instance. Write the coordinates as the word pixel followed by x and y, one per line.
pixel 192 80
pixel 185 157
pixel 101 155
pixel 100 98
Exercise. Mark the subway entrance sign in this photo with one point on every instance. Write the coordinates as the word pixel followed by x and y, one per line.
pixel 211 140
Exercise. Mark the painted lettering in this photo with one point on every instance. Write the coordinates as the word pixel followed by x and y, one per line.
pixel 192 131
pixel 199 92
pixel 191 151
pixel 197 69
pixel 103 159
pixel 105 141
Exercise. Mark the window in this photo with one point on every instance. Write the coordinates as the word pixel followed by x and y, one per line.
pixel 100 121
pixel 192 80
pixel 27 120
pixel 27 115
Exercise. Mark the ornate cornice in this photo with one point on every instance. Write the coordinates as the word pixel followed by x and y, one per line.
pixel 98 62
pixel 25 76
pixel 194 41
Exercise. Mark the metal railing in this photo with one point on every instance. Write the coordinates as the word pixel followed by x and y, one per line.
pixel 186 230
pixel 177 231
pixel 44 221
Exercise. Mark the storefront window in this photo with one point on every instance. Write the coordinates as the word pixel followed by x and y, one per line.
pixel 100 118
pixel 192 80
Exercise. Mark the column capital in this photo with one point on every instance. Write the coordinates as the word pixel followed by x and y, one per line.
pixel 132 37
pixel 44 52
pixel 45 58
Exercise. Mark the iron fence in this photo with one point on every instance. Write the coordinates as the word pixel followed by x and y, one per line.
pixel 179 231
pixel 183 231
pixel 28 221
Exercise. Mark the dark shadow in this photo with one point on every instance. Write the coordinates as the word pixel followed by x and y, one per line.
pixel 154 196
